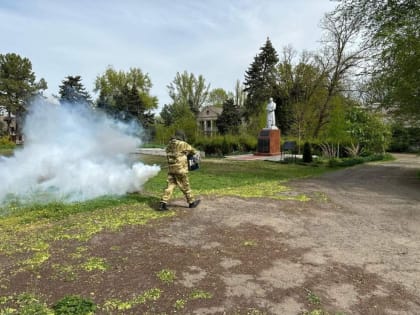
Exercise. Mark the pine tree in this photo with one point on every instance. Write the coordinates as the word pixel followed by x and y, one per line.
pixel 129 105
pixel 260 79
pixel 72 91
pixel 230 119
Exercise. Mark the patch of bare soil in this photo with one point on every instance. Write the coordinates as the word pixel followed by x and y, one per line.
pixel 354 248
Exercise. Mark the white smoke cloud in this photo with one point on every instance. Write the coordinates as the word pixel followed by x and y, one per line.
pixel 73 153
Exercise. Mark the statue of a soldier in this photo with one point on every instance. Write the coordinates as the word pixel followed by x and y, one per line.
pixel 271 116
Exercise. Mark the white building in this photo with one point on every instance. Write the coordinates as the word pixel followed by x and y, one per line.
pixel 206 120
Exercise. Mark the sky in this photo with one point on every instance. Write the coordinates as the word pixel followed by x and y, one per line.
pixel 217 39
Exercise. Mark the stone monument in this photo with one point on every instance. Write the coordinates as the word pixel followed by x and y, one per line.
pixel 269 137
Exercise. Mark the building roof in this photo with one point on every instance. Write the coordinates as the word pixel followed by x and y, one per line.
pixel 209 112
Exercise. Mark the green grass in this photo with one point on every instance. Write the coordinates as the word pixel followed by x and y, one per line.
pixel 6 151
pixel 75 221
pixel 80 221
pixel 166 275
pixel 239 178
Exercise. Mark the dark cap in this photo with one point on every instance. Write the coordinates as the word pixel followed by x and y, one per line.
pixel 180 135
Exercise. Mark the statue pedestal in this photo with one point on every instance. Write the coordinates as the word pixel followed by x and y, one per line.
pixel 268 142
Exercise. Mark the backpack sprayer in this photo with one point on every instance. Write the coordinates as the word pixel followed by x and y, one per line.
pixel 193 162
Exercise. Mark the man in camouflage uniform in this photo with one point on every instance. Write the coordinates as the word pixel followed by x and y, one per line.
pixel 176 153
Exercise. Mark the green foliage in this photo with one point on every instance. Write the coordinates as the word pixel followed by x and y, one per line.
pixel 74 305
pixel 312 297
pixel 260 79
pixel 112 83
pixel 188 94
pixel 5 143
pixel 307 153
pixel 126 95
pixel 23 304
pixel 200 294
pixel 185 122
pixel 95 263
pixel 298 94
pixel 29 212
pixel 78 221
pixel 228 144
pixel 17 83
pixel 188 90
pixel 246 179
pixel 337 129
pixel 166 275
pixel 346 162
pixel 239 95
pixel 3 128
pixel 72 91
pixel 130 105
pixel 114 305
pixel 217 97
pixel 229 120
pixel 368 129
pixel 250 243
pixel 404 139
pixel 179 304
pixel 391 27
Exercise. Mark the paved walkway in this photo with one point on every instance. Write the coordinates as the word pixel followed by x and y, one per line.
pixel 252 157
pixel 241 157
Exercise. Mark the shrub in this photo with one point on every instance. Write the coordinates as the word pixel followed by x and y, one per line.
pixel 307 153
pixel 334 162
pixel 74 305
pixel 228 144
pixel 405 139
pixel 5 143
pixel 226 147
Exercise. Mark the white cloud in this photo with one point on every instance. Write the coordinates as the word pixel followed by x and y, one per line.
pixel 216 38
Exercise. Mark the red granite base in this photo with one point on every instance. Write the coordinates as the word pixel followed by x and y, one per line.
pixel 268 142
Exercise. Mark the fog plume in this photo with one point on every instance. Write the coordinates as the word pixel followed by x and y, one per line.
pixel 73 153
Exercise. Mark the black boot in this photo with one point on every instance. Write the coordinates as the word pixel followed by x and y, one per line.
pixel 194 203
pixel 163 207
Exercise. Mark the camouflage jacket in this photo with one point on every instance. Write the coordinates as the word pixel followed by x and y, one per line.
pixel 176 153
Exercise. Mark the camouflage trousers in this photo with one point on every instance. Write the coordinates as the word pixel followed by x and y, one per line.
pixel 180 180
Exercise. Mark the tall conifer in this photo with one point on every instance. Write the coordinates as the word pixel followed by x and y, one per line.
pixel 260 79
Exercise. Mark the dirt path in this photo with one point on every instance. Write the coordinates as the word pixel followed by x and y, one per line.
pixel 356 245
pixel 354 248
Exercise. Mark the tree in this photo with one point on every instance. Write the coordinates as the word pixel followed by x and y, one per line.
pixel 301 88
pixel 132 107
pixel 368 130
pixel 167 115
pixel 338 57
pixel 176 116
pixel 230 118
pixel 260 80
pixel 335 135
pixel 186 89
pixel 72 91
pixel 126 94
pixel 239 95
pixel 391 30
pixel 217 97
pixel 17 85
pixel 292 90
